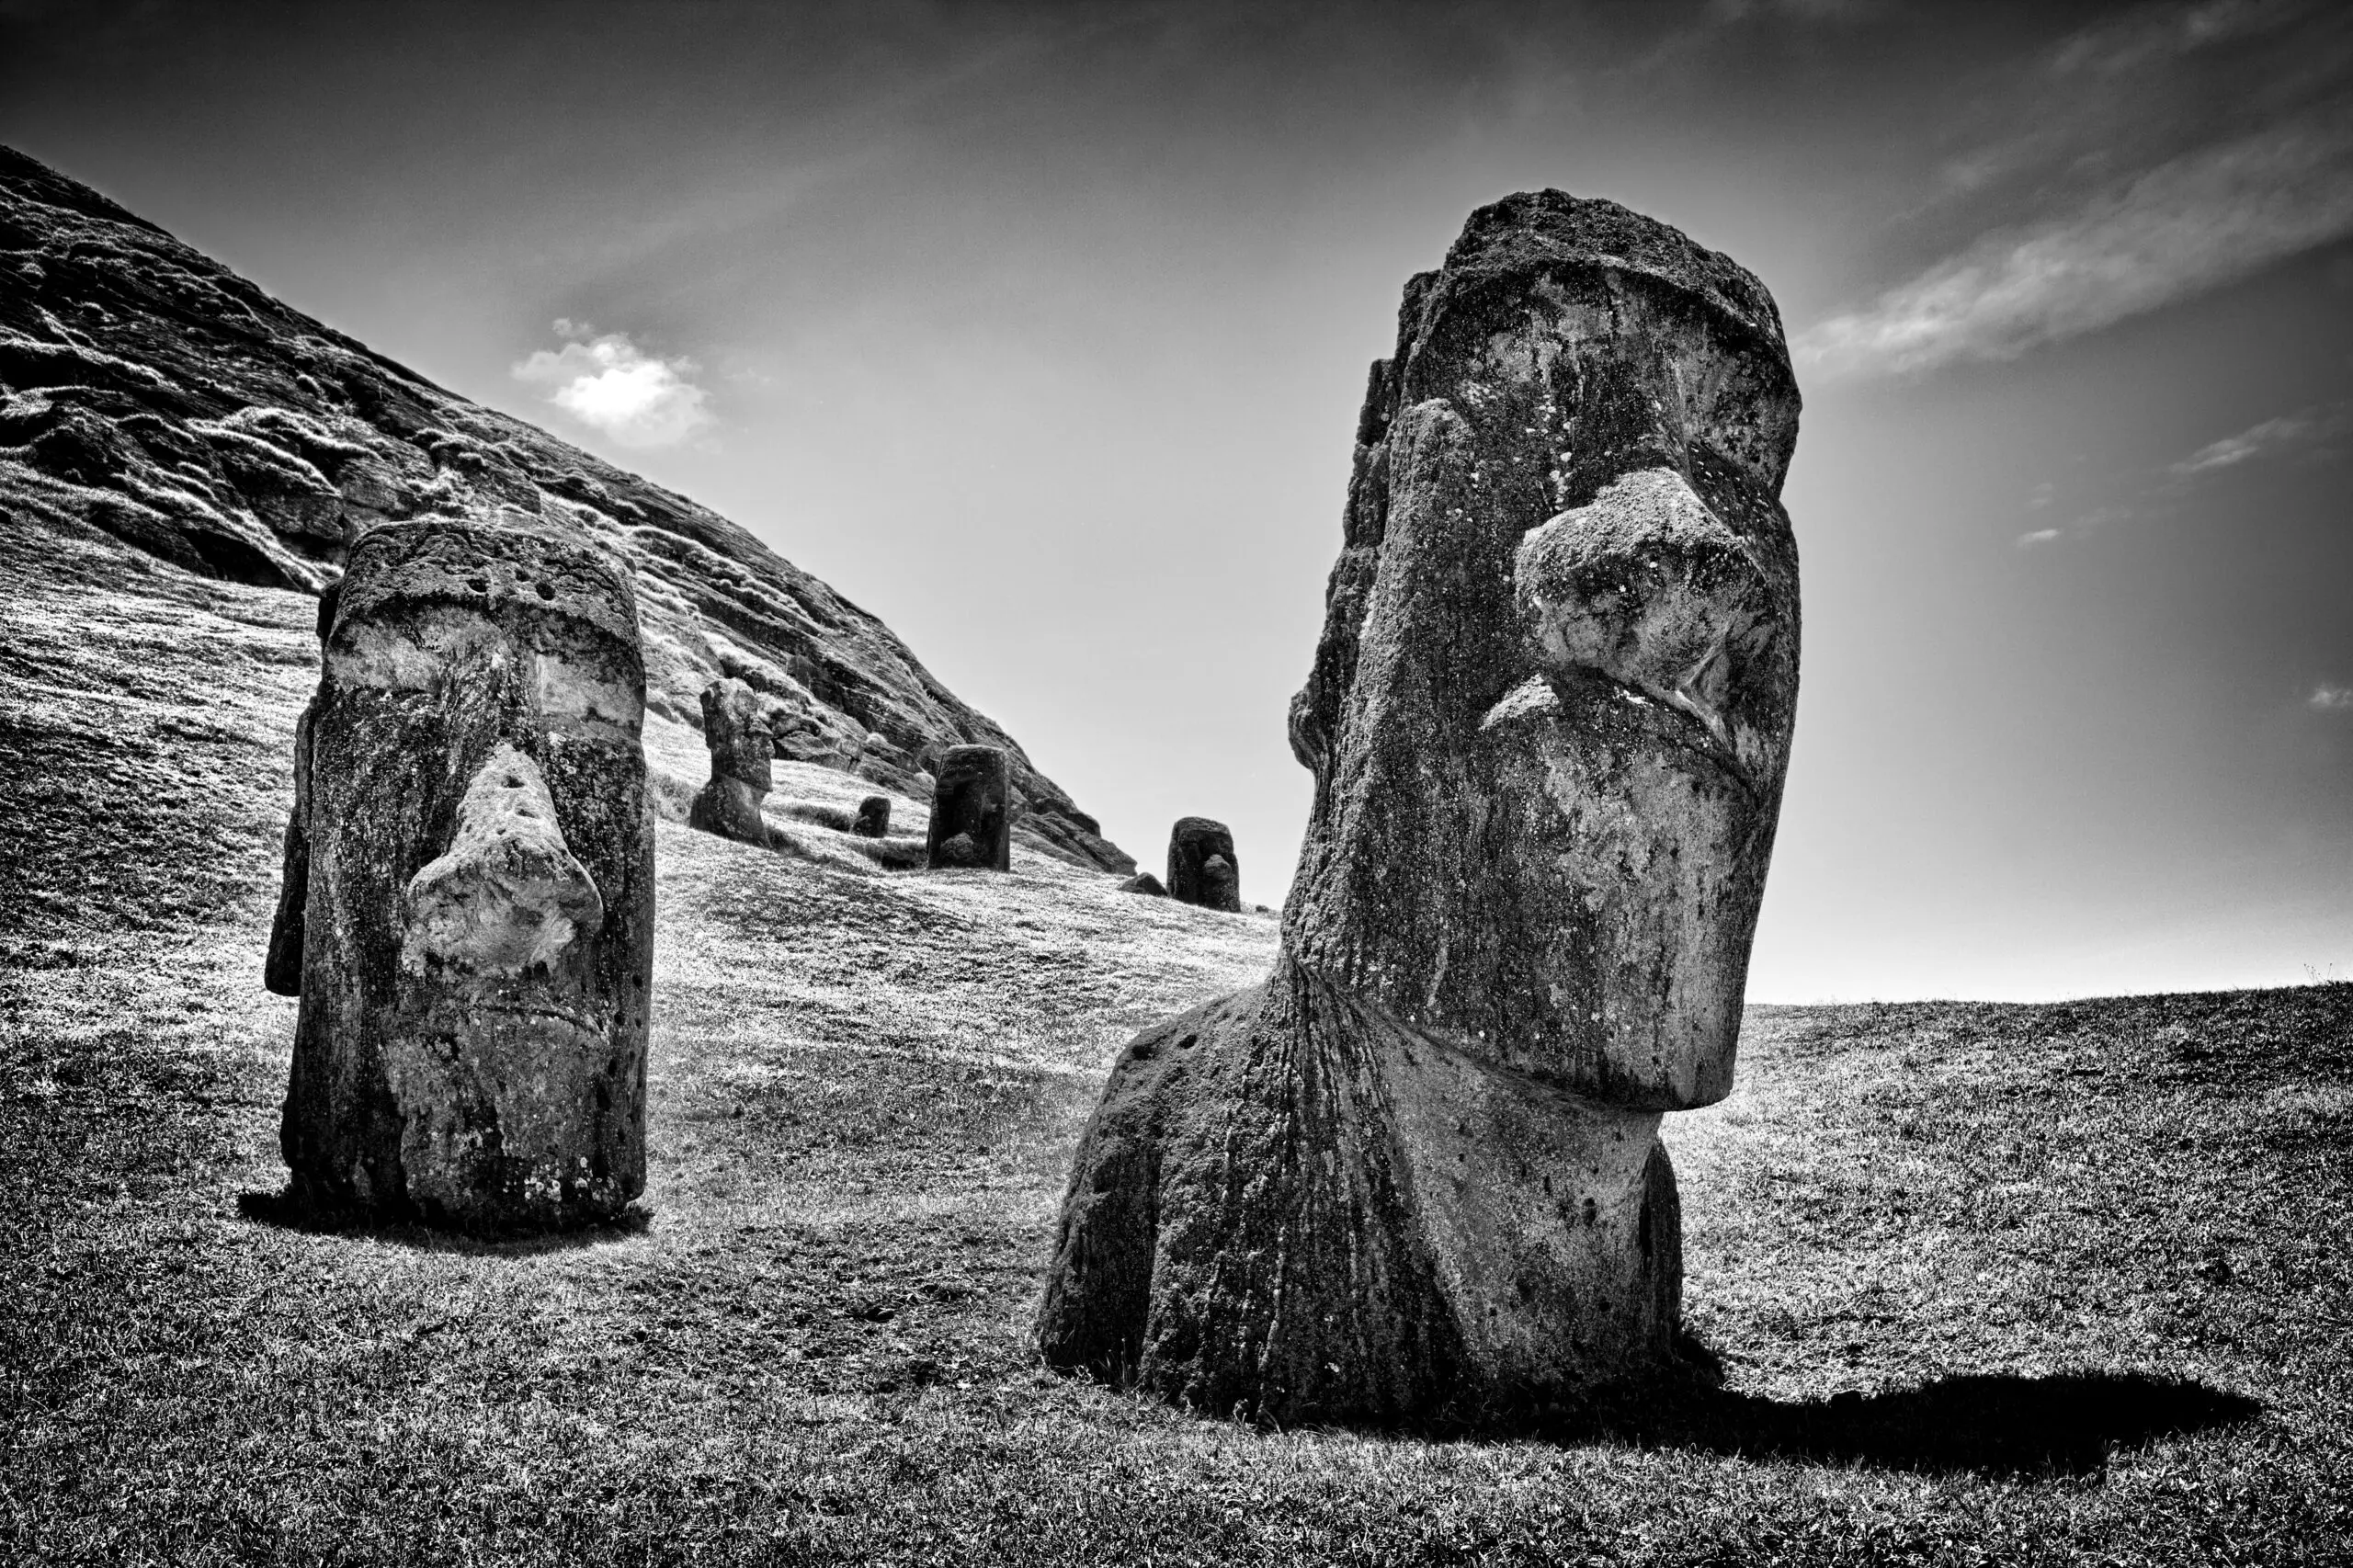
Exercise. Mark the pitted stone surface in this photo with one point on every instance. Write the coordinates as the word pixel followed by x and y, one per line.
pixel 1549 720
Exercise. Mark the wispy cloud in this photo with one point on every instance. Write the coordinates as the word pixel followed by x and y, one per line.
pixel 2187 225
pixel 611 385
pixel 2039 537
pixel 2148 158
pixel 2309 430
pixel 2332 699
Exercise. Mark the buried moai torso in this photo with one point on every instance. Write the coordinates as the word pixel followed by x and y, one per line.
pixel 972 811
pixel 735 726
pixel 470 909
pixel 1549 720
pixel 1202 866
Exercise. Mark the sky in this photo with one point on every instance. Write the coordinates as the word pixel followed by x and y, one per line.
pixel 1040 332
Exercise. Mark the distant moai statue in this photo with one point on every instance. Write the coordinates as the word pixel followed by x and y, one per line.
pixel 468 909
pixel 1417 1171
pixel 743 755
pixel 971 818
pixel 873 817
pixel 1145 883
pixel 1202 866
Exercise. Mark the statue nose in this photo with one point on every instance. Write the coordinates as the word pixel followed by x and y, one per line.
pixel 509 896
pixel 1647 587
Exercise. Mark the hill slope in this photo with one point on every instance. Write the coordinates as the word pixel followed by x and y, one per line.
pixel 1993 1284
pixel 150 395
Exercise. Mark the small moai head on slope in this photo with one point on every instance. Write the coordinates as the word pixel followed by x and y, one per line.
pixel 972 817
pixel 873 817
pixel 476 924
pixel 1550 711
pixel 735 726
pixel 1202 866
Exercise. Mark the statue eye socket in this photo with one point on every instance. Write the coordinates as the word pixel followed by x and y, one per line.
pixel 585 700
pixel 390 658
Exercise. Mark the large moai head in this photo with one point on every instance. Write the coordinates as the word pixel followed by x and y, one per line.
pixel 1550 711
pixel 476 915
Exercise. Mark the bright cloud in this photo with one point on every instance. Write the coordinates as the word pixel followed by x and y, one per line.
pixel 2040 536
pixel 2333 698
pixel 2190 224
pixel 611 385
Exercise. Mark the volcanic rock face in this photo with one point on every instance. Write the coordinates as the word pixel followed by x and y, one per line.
pixel 149 395
pixel 1549 720
pixel 735 726
pixel 1202 866
pixel 970 814
pixel 470 885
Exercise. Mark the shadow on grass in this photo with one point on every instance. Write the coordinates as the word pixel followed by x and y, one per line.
pixel 288 1211
pixel 2065 1424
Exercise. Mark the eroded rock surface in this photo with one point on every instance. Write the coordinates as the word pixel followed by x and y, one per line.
pixel 150 395
pixel 1417 1172
pixel 1202 866
pixel 972 814
pixel 468 891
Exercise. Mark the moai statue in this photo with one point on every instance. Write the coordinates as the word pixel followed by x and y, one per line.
pixel 743 753
pixel 873 817
pixel 1417 1171
pixel 1202 867
pixel 971 818
pixel 1145 884
pixel 469 909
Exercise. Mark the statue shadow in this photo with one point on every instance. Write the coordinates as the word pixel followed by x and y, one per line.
pixel 2065 1424
pixel 288 1211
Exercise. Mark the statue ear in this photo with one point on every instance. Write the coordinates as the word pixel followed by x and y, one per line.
pixel 281 971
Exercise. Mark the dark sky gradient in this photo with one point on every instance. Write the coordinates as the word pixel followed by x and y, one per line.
pixel 1040 332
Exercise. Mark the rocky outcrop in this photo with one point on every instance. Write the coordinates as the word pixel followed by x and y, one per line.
pixel 1417 1172
pixel 972 814
pixel 148 394
pixel 468 888
pixel 1202 867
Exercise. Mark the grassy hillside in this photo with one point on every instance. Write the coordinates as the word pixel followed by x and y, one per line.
pixel 1991 1284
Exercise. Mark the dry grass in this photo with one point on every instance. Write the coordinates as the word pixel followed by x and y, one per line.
pixel 865 1088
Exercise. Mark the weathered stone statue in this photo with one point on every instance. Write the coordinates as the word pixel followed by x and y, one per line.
pixel 873 817
pixel 468 914
pixel 743 754
pixel 971 820
pixel 1144 884
pixel 1202 866
pixel 1417 1171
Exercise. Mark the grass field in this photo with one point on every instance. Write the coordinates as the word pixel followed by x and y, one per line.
pixel 1990 1284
